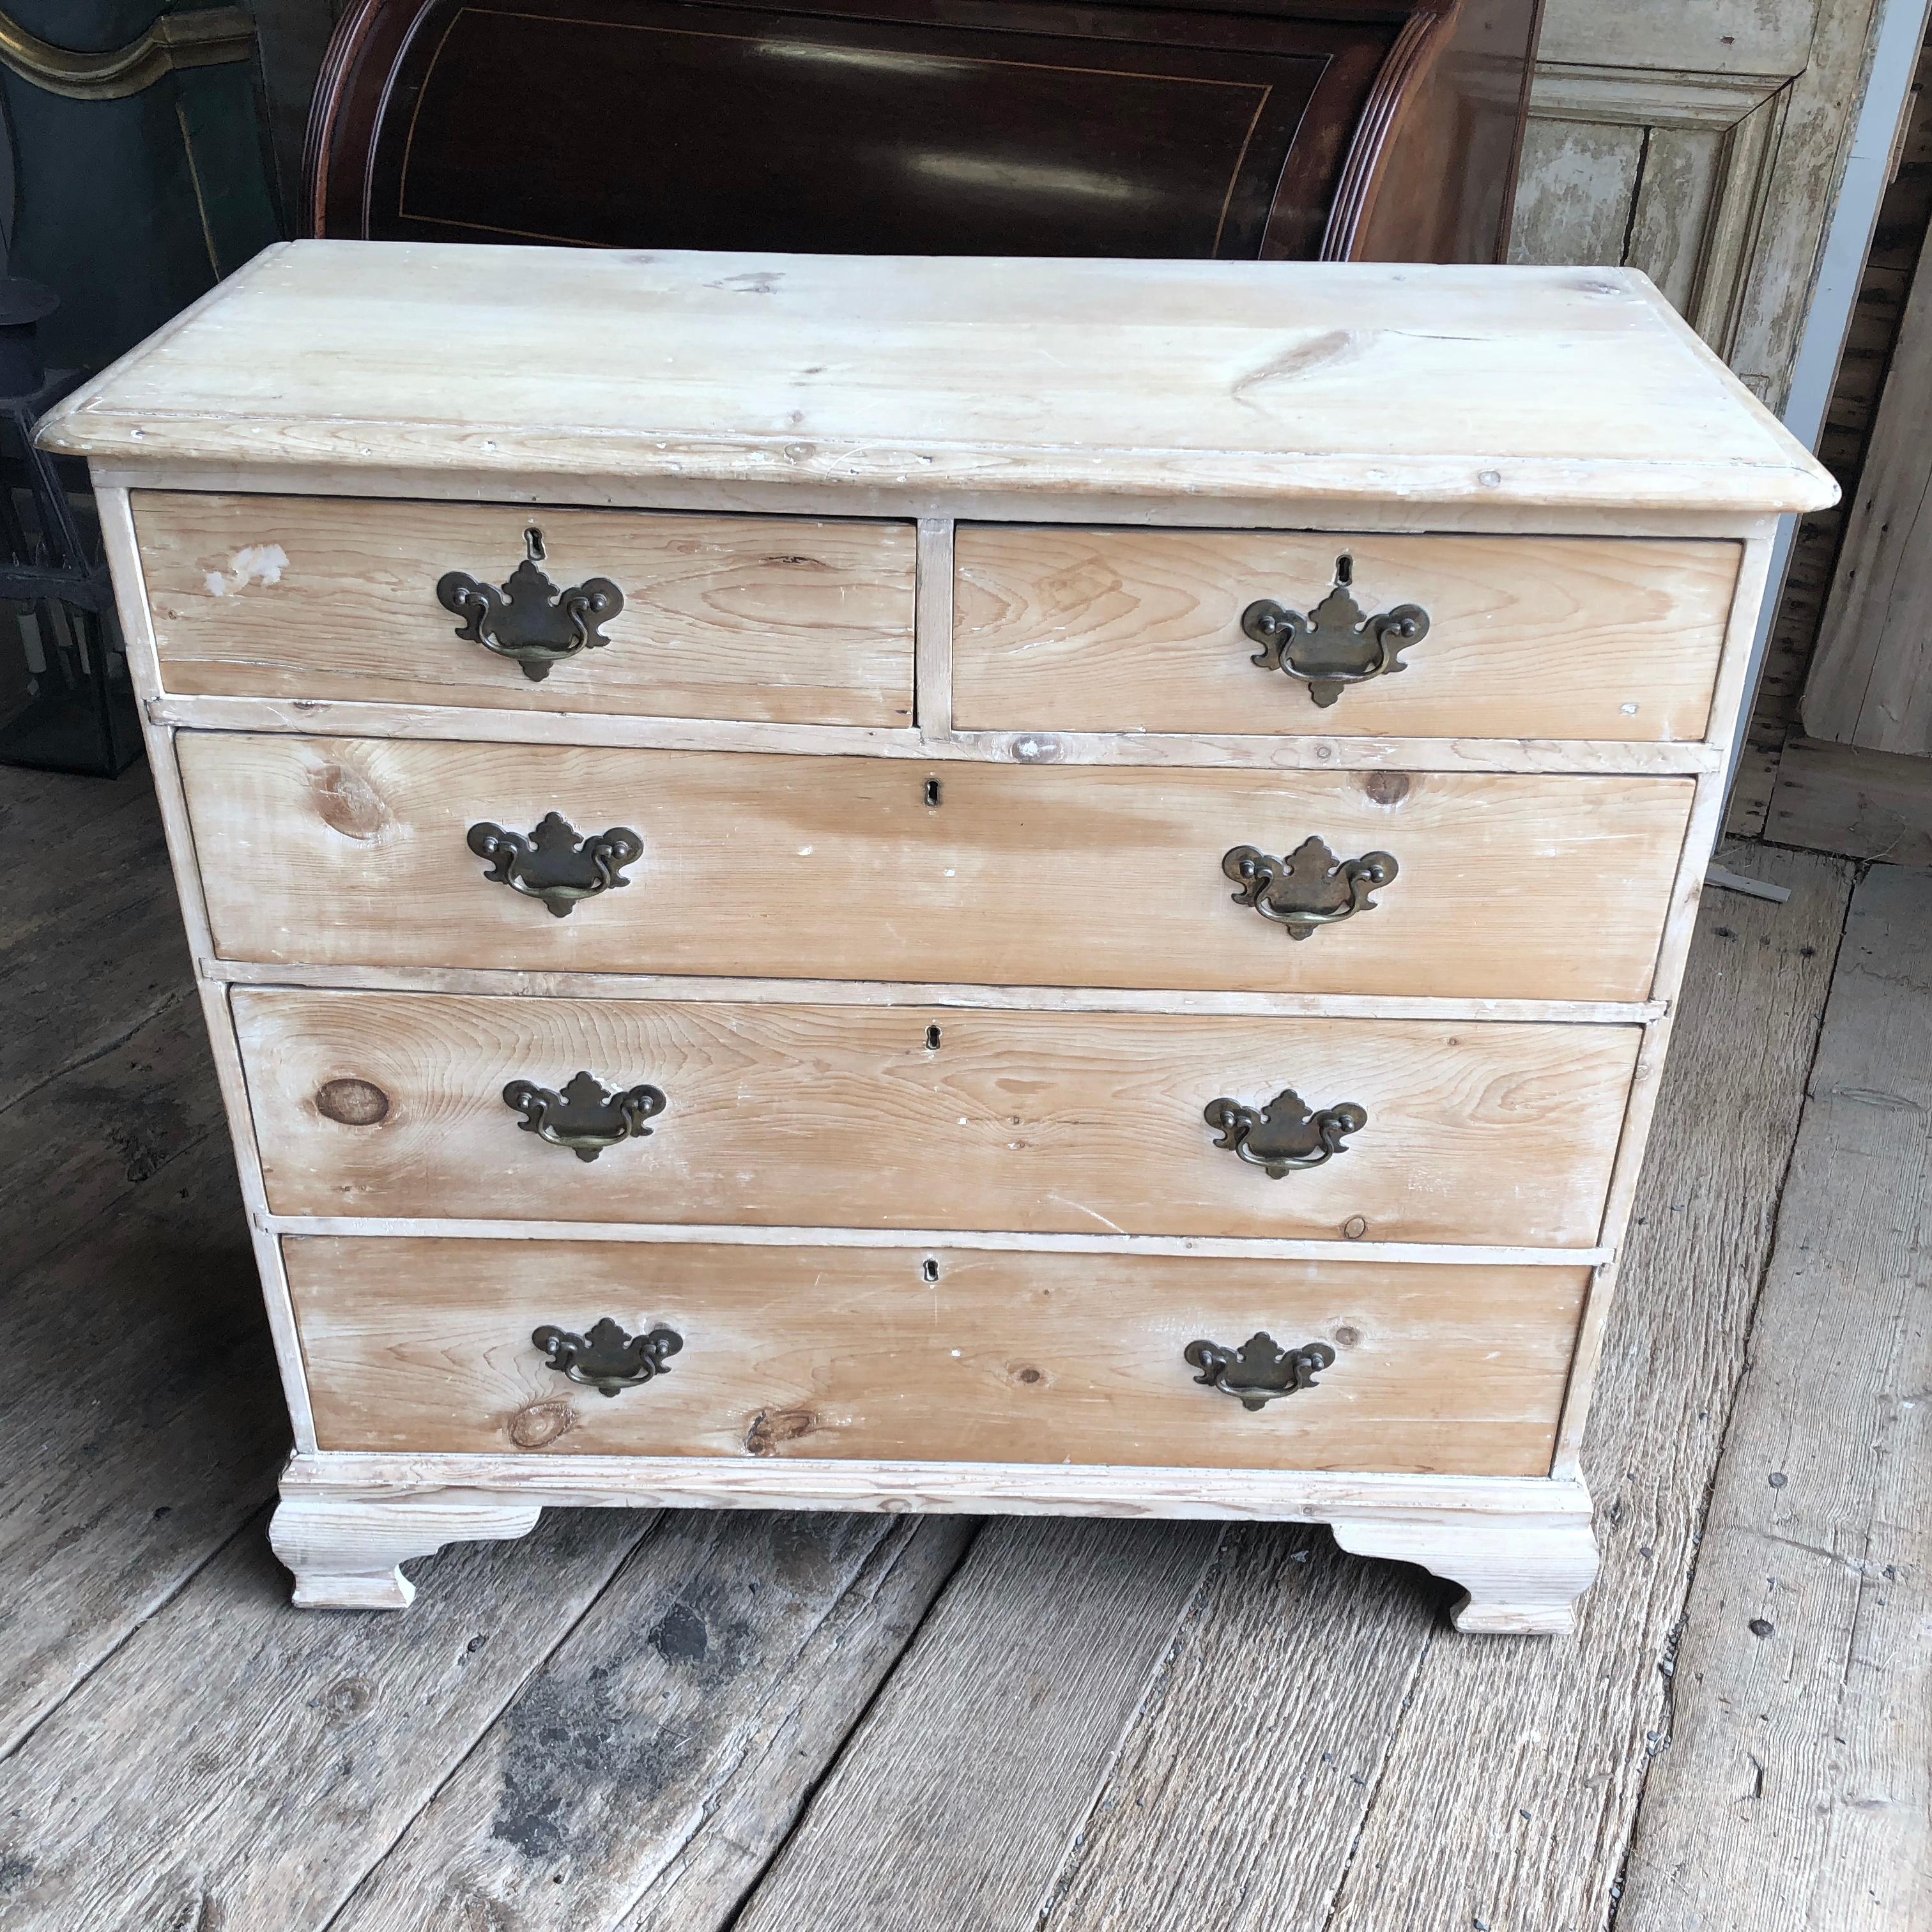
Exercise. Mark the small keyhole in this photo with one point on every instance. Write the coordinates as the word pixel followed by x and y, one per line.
pixel 930 1270
pixel 932 1039
pixel 932 791
pixel 533 544
pixel 1345 571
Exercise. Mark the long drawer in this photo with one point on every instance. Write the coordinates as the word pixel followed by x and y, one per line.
pixel 910 1117
pixel 426 1345
pixel 329 851
pixel 765 619
pixel 1062 629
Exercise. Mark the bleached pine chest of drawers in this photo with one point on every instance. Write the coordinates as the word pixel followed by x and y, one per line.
pixel 872 884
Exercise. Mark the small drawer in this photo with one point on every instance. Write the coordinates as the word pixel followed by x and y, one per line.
pixel 418 1105
pixel 400 852
pixel 763 619
pixel 428 1346
pixel 1061 628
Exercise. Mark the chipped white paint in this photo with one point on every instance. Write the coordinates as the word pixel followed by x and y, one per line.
pixel 253 563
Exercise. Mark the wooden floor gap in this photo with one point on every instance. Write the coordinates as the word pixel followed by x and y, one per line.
pixel 1669 1714
pixel 256 1524
pixel 1388 1757
pixel 731 1920
pixel 1163 1666
pixel 537 1663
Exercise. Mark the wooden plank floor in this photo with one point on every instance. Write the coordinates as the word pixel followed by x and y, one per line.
pixel 631 1722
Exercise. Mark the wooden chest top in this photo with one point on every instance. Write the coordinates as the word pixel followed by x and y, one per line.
pixel 1277 383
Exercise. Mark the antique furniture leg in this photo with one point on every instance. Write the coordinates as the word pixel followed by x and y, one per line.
pixel 345 1550
pixel 1519 1575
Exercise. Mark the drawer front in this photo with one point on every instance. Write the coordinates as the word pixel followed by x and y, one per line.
pixel 1083 630
pixel 426 1345
pixel 331 851
pixel 914 1118
pixel 766 618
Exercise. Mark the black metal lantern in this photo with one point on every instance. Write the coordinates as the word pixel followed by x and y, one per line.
pixel 66 704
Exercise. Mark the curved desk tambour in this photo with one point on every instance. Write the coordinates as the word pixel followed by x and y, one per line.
pixel 1337 129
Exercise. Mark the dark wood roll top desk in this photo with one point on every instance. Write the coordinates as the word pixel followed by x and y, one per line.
pixel 1330 129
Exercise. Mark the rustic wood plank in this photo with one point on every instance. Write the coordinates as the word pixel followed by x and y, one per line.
pixel 1427 1856
pixel 1078 1124
pixel 1596 1709
pixel 1868 684
pixel 417 1346
pixel 865 869
pixel 1866 804
pixel 648 1771
pixel 781 619
pixel 1061 628
pixel 73 1148
pixel 1795 1791
pixel 1240 1789
pixel 955 1800
pixel 1302 380
pixel 307 1743
pixel 93 943
pixel 1574 195
pixel 140 1423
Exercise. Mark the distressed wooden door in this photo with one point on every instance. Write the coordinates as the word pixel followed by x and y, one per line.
pixel 1702 143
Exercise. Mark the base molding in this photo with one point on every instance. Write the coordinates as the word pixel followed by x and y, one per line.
pixel 345 1549
pixel 1521 1548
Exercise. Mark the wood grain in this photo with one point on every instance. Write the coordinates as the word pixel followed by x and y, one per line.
pixel 1433 1833
pixel 1070 629
pixel 126 1807
pixel 92 947
pixel 1301 380
pixel 1599 1709
pixel 923 1116
pixel 840 869
pixel 1796 1787
pixel 777 619
pixel 651 1767
pixel 1865 804
pixel 424 1345
pixel 1048 1642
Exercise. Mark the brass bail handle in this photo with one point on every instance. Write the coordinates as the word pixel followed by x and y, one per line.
pixel 1337 643
pixel 1310 888
pixel 1286 1133
pixel 554 863
pixel 527 618
pixel 586 1117
pixel 607 1359
pixel 1260 1371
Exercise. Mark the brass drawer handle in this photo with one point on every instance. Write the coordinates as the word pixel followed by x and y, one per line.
pixel 586 1117
pixel 1311 887
pixel 554 863
pixel 1336 644
pixel 1259 1371
pixel 529 620
pixel 607 1359
pixel 1285 1134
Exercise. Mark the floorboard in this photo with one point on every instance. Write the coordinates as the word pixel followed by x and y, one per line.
pixel 954 1803
pixel 93 943
pixel 647 1772
pixel 1794 1795
pixel 1508 1799
pixel 1866 805
pixel 141 1423
pixel 1493 1781
pixel 237 1764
